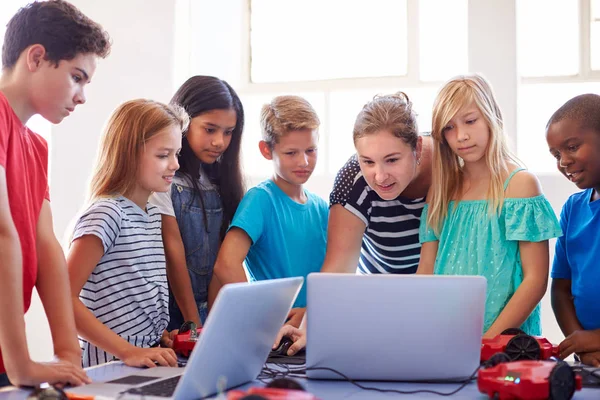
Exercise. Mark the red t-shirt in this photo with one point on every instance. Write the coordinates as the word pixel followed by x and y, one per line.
pixel 24 156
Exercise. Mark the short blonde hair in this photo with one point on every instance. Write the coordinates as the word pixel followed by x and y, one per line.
pixel 285 114
pixel 130 126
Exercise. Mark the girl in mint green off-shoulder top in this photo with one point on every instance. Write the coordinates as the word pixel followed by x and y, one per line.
pixel 483 216
pixel 474 243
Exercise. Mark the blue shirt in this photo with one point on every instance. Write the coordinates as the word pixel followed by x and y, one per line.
pixel 577 253
pixel 288 238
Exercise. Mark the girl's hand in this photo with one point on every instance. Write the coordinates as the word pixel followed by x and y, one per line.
pixel 167 338
pixel 140 357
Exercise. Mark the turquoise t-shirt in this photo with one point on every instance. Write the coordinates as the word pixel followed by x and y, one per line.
pixel 288 238
pixel 473 242
pixel 577 253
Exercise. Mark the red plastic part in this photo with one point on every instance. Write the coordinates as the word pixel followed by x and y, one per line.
pixel 527 380
pixel 272 394
pixel 182 343
pixel 489 347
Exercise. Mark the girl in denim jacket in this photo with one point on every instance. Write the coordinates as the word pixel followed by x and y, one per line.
pixel 204 195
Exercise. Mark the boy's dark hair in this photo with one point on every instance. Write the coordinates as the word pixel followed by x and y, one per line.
pixel 60 27
pixel 583 109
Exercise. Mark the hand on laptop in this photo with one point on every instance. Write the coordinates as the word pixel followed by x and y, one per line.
pixel 295 316
pixel 55 373
pixel 140 357
pixel 297 335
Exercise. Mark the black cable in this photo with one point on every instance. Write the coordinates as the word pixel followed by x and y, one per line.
pixel 272 373
pixel 594 373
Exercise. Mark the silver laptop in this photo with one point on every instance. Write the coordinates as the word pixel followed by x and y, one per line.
pixel 394 327
pixel 232 349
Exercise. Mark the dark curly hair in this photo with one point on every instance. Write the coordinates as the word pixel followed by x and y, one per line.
pixel 60 27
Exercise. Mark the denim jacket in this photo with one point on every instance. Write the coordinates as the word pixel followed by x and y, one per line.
pixel 200 241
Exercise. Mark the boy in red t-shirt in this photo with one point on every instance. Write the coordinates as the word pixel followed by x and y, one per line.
pixel 49 56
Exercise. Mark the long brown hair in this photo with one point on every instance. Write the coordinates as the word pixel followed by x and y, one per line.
pixel 130 126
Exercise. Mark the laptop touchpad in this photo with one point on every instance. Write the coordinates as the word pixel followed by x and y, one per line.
pixel 133 380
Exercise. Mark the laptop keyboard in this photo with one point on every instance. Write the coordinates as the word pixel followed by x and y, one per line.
pixel 163 388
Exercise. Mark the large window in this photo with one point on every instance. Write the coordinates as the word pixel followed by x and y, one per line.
pixel 339 54
pixel 559 58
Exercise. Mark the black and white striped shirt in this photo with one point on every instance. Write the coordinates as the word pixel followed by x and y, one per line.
pixel 391 240
pixel 127 291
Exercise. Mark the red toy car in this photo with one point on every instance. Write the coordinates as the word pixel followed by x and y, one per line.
pixel 529 380
pixel 184 342
pixel 271 394
pixel 518 346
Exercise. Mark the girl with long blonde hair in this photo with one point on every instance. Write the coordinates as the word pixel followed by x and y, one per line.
pixel 485 215
pixel 116 260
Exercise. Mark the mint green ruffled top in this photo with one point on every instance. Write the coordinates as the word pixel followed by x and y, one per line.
pixel 472 242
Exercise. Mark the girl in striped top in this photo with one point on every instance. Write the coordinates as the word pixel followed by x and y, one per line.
pixel 116 260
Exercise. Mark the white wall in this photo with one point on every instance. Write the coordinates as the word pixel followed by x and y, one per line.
pixel 142 65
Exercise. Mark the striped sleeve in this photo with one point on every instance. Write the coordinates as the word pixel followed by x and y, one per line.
pixel 103 220
pixel 344 182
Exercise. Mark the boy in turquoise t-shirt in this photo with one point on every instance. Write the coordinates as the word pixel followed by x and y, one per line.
pixel 279 228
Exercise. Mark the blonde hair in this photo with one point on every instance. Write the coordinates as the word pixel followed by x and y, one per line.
pixel 130 126
pixel 391 113
pixel 447 173
pixel 285 114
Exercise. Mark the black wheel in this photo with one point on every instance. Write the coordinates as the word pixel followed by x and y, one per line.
pixel 523 347
pixel 187 326
pixel 562 382
pixel 496 359
pixel 512 331
pixel 496 396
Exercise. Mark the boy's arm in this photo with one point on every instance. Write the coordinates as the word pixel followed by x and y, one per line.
pixel 561 295
pixel 563 306
pixel 19 367
pixel 344 237
pixel 177 272
pixel 53 287
pixel 229 265
pixel 84 255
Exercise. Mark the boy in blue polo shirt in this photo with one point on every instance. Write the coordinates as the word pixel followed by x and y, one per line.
pixel 573 135
pixel 279 228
